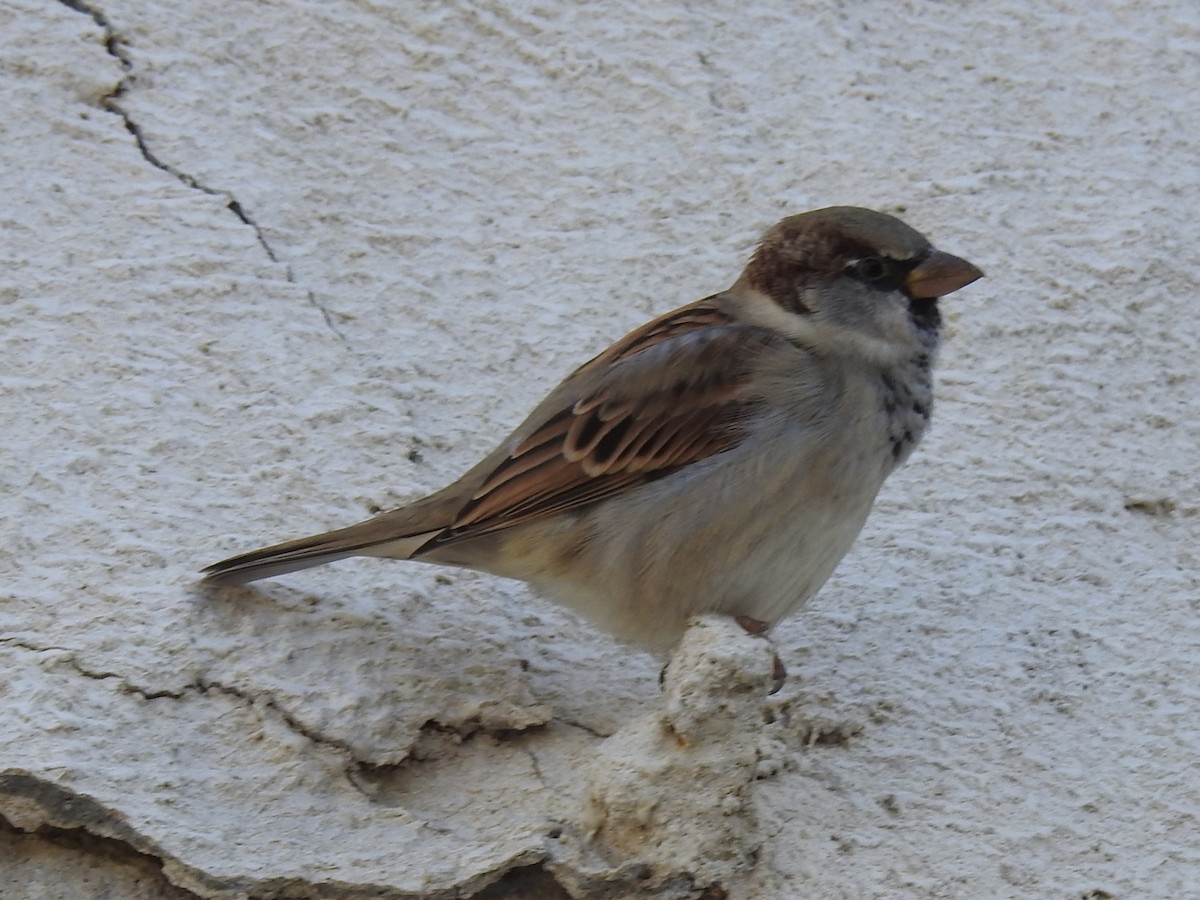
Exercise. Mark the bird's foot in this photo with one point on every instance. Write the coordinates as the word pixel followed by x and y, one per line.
pixel 759 628
pixel 779 675
pixel 752 625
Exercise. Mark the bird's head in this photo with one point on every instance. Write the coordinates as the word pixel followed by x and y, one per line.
pixel 853 281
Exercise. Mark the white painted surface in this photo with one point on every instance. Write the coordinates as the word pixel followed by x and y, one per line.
pixel 453 205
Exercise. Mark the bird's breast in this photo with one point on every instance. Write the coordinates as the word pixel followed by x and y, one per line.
pixel 906 400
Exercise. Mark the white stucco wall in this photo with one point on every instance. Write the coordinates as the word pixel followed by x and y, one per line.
pixel 265 268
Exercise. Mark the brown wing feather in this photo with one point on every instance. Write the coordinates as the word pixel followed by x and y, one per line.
pixel 705 313
pixel 673 392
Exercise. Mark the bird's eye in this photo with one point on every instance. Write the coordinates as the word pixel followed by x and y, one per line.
pixel 870 268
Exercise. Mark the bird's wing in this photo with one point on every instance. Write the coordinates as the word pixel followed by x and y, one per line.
pixel 672 393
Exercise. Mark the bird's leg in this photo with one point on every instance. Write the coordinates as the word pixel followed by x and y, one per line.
pixel 752 626
pixel 759 628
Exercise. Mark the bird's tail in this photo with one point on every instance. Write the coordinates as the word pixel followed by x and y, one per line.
pixel 375 537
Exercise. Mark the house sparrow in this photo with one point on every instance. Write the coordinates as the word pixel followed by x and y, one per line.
pixel 721 458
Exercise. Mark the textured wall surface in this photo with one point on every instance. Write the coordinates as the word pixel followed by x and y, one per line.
pixel 266 268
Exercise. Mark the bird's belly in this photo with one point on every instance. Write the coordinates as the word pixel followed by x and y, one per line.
pixel 782 567
pixel 750 537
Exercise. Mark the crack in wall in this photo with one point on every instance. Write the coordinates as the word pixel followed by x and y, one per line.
pixel 117 48
pixel 583 726
pixel 203 686
pixel 536 765
pixel 199 685
pixel 261 701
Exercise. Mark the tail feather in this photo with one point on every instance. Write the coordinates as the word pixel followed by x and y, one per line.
pixel 364 539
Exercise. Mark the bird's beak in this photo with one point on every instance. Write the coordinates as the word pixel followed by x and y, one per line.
pixel 940 274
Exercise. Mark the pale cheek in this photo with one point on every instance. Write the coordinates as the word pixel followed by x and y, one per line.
pixel 898 321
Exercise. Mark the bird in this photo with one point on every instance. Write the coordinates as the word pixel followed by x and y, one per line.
pixel 722 458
